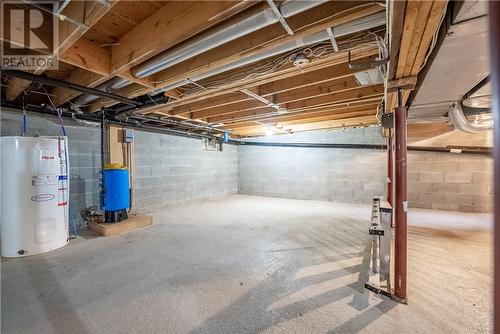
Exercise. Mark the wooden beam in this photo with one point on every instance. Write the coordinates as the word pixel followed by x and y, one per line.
pixel 332 124
pixel 298 101
pixel 288 96
pixel 338 58
pixel 329 88
pixel 437 12
pixel 395 26
pixel 322 115
pixel 359 52
pixel 306 126
pixel 88 12
pixel 407 83
pixel 409 26
pixel 171 24
pixel 310 79
pixel 89 56
pixel 420 24
pixel 259 114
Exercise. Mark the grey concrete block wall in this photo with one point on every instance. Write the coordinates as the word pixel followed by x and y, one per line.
pixel 459 182
pixel 172 171
pixel 340 175
pixel 169 170
pixel 84 154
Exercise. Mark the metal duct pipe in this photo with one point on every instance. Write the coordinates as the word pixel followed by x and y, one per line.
pixel 364 23
pixel 460 122
pixel 109 86
pixel 225 34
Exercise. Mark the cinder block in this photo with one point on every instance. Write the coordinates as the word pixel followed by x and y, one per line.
pixel 458 177
pixel 430 177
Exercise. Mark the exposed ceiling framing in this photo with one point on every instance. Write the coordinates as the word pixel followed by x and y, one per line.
pixel 304 87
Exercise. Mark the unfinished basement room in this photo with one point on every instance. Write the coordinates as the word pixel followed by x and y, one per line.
pixel 256 166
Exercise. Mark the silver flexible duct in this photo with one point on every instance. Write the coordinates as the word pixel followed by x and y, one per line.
pixel 211 40
pixel 460 122
pixel 108 86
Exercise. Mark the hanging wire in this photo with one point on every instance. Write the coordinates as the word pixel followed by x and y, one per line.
pixel 319 50
pixel 25 116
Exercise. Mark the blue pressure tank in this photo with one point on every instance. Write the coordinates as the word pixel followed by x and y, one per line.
pixel 116 193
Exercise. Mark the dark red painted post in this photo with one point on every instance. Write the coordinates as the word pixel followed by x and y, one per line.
pixel 390 172
pixel 400 204
pixel 495 75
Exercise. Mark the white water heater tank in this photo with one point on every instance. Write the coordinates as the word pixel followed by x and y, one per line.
pixel 34 195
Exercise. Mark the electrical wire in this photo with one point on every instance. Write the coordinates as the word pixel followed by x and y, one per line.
pixel 66 175
pixel 319 50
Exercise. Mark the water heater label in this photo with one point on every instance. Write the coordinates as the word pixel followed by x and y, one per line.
pixel 42 197
pixel 44 180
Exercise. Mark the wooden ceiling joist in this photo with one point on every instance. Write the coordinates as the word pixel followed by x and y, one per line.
pixel 144 41
pixel 311 79
pixel 421 23
pixel 308 126
pixel 321 94
pixel 315 20
pixel 297 101
pixel 337 112
pixel 88 12
pixel 264 114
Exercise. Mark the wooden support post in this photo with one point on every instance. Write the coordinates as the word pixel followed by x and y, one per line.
pixel 495 75
pixel 400 206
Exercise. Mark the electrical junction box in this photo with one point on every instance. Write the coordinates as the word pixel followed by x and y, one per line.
pixel 128 135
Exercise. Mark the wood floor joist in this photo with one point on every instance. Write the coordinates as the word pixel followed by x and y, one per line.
pixel 321 93
pixel 421 23
pixel 315 79
pixel 315 20
pixel 87 12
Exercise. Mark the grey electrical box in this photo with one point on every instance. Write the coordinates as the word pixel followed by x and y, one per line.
pixel 128 135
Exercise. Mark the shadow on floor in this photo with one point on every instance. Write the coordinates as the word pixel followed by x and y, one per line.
pixel 254 311
pixel 59 312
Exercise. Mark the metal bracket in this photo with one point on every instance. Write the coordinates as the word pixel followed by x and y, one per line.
pixel 365 65
pixel 375 231
pixel 377 290
pixel 195 83
pixel 264 100
pixel 277 12
pixel 331 35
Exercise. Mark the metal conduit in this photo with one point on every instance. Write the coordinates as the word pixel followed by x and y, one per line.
pixel 221 36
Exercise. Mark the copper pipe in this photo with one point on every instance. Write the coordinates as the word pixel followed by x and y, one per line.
pixel 495 74
pixel 400 204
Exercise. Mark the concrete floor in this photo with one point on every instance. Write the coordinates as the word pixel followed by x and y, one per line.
pixel 252 264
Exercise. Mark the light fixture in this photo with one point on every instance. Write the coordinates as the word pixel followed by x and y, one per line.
pixel 269 132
